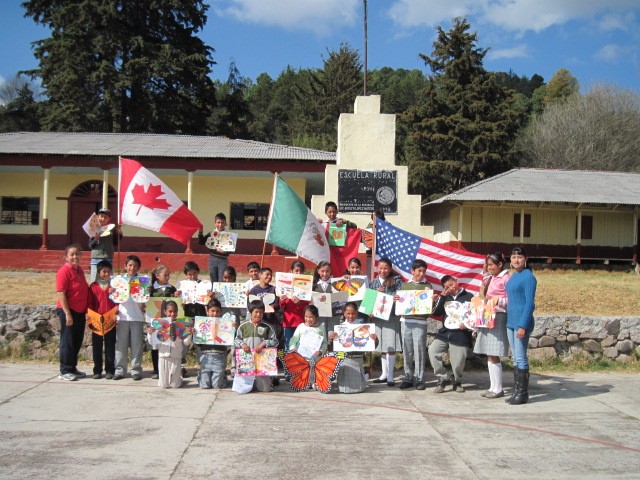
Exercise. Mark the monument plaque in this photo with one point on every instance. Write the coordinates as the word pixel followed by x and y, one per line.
pixel 363 191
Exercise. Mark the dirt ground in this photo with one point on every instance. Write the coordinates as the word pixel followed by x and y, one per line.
pixel 593 292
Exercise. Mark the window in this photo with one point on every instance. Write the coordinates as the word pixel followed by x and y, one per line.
pixel 587 227
pixel 20 210
pixel 516 224
pixel 249 216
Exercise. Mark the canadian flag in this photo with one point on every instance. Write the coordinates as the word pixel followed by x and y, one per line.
pixel 145 201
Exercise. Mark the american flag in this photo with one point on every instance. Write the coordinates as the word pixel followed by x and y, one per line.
pixel 402 248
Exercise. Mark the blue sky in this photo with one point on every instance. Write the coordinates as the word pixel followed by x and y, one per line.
pixel 597 40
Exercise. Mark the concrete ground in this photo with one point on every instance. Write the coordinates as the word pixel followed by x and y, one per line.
pixel 578 425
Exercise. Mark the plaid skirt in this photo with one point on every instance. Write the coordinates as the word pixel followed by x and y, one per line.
pixel 493 341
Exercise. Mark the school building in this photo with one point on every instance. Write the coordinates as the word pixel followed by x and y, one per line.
pixel 560 215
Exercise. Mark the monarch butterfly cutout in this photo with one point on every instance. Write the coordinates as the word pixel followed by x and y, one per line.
pixel 166 329
pixel 101 324
pixel 297 370
pixel 367 239
pixel 351 286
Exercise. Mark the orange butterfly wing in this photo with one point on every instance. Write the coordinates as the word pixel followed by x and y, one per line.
pixel 367 239
pixel 340 285
pixel 297 370
pixel 326 369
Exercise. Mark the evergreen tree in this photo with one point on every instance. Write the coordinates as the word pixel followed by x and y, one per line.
pixel 124 66
pixel 231 118
pixel 19 109
pixel 464 127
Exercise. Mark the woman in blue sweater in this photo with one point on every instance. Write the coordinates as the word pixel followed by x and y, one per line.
pixel 521 292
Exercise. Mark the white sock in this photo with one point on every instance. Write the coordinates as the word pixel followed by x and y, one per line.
pixel 495 372
pixel 492 375
pixel 391 363
pixel 384 367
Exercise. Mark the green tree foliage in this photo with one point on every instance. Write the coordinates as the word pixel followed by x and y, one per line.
pixel 596 131
pixel 124 65
pixel 399 89
pixel 561 86
pixel 232 116
pixel 19 108
pixel 521 84
pixel 464 127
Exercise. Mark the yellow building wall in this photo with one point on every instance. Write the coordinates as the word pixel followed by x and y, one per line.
pixel 210 195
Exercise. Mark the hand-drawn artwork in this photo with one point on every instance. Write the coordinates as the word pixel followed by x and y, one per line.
pixel 256 364
pixel 355 286
pixel 367 238
pixel 156 307
pixel 187 290
pixel 202 292
pixel 483 312
pixel 337 235
pixel 225 241
pixel 458 313
pixel 354 337
pixel 414 302
pixel 230 295
pixel 243 385
pixel 267 299
pixel 310 343
pixel 215 330
pixel 377 303
pixel 327 302
pixel 167 330
pixel 136 288
pixel 92 225
pixel 294 285
pixel 297 370
pixel 101 324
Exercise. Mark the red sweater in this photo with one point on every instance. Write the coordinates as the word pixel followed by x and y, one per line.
pixel 292 313
pixel 99 300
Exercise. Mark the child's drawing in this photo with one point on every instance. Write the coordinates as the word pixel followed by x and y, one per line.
pixel 101 324
pixel 458 313
pixel 482 312
pixel 136 288
pixel 310 343
pixel 414 302
pixel 354 337
pixel 267 299
pixel 156 307
pixel 377 303
pixel 225 241
pixel 294 285
pixel 327 302
pixel 337 235
pixel 215 331
pixel 256 364
pixel 230 295
pixel 167 331
pixel 355 286
pixel 188 290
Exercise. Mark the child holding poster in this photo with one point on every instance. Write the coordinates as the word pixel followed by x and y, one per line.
pixel 100 302
pixel 388 330
pixel 170 352
pixel 310 326
pixel 351 378
pixel 160 287
pixel 218 258
pixel 293 309
pixel 257 334
pixel 212 358
pixel 322 284
pixel 191 271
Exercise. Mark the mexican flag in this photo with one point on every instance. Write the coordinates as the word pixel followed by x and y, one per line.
pixel 293 227
pixel 145 201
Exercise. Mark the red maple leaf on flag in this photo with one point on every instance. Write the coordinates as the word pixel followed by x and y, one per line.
pixel 149 198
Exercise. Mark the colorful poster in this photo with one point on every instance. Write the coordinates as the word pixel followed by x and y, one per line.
pixel 230 295
pixel 326 302
pixel 458 313
pixel 136 288
pixel 267 299
pixel 377 303
pixel 214 330
pixel 187 289
pixel 294 285
pixel 202 295
pixel 337 235
pixel 256 364
pixel 355 286
pixel 310 343
pixel 101 324
pixel 414 302
pixel 354 337
pixel 92 225
pixel 483 312
pixel 225 241
pixel 156 307
pixel 165 330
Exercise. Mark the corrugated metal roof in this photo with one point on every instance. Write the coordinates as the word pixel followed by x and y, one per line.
pixel 555 186
pixel 152 145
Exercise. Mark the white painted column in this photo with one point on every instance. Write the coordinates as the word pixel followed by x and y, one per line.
pixel 45 210
pixel 460 220
pixel 189 188
pixel 522 226
pixel 105 189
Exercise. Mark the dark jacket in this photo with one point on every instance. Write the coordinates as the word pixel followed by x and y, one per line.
pixel 461 338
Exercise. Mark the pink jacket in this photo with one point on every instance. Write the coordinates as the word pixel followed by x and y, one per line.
pixel 497 288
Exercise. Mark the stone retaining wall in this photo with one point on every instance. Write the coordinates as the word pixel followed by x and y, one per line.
pixel 617 338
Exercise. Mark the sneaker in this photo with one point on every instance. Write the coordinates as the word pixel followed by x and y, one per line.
pixel 117 376
pixel 97 376
pixel 457 387
pixel 495 395
pixel 79 374
pixel 109 376
pixel 380 380
pixel 69 377
pixel 391 384
pixel 136 377
pixel 421 386
pixel 155 376
pixel 440 387
pixel 406 384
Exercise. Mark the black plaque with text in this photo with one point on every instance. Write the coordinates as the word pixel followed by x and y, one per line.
pixel 367 190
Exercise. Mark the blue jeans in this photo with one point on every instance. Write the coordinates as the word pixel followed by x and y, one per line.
pixel 518 349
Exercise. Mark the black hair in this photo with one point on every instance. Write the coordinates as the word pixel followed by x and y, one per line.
pixel 417 263
pixel 191 266
pixel 496 258
pixel 298 263
pixel 221 216
pixel 379 214
pixel 214 302
pixel 102 264
pixel 169 303
pixel 231 271
pixel 316 275
pixel 251 265
pixel 133 258
pixel 350 304
pixel 155 271
pixel 388 283
pixel 446 278
pixel 330 204
pixel 313 309
pixel 264 269
pixel 255 305
pixel 521 251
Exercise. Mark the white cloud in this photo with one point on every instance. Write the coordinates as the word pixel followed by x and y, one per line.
pixel 612 53
pixel 514 52
pixel 615 21
pixel 320 17
pixel 415 13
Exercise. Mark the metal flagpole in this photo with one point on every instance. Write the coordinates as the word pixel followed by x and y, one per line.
pixel 266 233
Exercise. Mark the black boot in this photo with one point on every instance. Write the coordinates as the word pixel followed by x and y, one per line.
pixel 515 386
pixel 522 392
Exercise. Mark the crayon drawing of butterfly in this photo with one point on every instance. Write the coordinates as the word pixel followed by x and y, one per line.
pixel 168 330
pixel 302 374
pixel 350 285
